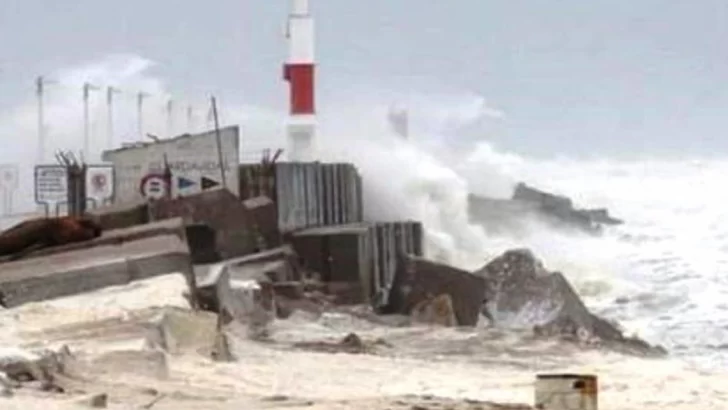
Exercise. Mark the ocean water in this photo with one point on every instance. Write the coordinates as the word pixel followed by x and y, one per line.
pixel 661 274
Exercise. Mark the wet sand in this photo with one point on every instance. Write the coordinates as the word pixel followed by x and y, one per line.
pixel 403 367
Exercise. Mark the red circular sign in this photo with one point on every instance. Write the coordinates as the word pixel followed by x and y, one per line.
pixel 153 186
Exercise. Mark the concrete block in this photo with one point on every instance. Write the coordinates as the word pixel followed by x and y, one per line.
pixel 120 216
pixel 173 226
pixel 265 216
pixel 417 280
pixel 178 331
pixel 83 270
pixel 275 265
pixel 221 211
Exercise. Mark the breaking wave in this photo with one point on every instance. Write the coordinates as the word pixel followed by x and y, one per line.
pixel 663 273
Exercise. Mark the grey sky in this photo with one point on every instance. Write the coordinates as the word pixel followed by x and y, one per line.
pixel 618 77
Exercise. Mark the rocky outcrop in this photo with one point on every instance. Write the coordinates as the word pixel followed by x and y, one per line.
pixel 528 204
pixel 520 292
pixel 561 209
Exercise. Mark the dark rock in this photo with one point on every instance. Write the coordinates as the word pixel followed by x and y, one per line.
pixel 417 280
pixel 351 344
pixel 528 204
pixel 97 401
pixel 561 209
pixel 522 293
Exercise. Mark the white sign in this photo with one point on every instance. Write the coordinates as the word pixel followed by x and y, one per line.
pixel 51 184
pixel 8 177
pixel 193 160
pixel 100 182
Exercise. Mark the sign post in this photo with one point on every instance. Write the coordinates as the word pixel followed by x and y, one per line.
pixel 100 184
pixel 8 185
pixel 51 185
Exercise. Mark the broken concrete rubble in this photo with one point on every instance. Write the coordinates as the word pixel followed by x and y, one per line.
pixel 417 280
pixel 176 331
pixel 85 270
pixel 241 290
pixel 520 292
pixel 435 311
pixel 44 366
pixel 351 343
pixel 237 229
pixel 276 265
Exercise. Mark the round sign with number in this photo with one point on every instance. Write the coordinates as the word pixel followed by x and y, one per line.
pixel 153 186
pixel 98 183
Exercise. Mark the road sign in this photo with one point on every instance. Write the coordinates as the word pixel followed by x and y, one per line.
pixel 183 183
pixel 207 183
pixel 100 182
pixel 51 184
pixel 8 177
pixel 153 186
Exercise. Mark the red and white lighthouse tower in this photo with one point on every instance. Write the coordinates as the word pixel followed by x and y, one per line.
pixel 299 72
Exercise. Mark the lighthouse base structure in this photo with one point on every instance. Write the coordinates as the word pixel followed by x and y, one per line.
pixel 301 141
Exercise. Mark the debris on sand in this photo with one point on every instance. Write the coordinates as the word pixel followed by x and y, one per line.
pixel 351 343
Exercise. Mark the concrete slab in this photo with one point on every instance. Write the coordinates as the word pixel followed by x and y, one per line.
pixel 84 270
pixel 173 226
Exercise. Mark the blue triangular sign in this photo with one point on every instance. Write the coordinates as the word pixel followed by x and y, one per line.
pixel 183 183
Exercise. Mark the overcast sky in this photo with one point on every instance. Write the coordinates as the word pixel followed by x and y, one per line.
pixel 603 77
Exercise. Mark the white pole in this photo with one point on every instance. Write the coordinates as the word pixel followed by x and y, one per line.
pixel 41 132
pixel 110 91
pixel 40 86
pixel 170 119
pixel 140 113
pixel 189 119
pixel 87 88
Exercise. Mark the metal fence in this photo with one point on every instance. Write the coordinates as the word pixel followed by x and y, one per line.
pixel 306 194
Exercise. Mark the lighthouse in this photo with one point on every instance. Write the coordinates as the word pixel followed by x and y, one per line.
pixel 298 71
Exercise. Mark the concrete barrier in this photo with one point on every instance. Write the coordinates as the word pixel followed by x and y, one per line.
pixel 242 289
pixel 172 226
pixel 237 230
pixel 84 270
pixel 418 280
pixel 121 216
